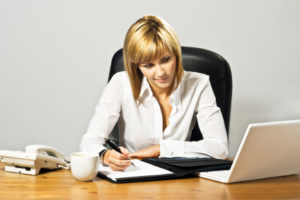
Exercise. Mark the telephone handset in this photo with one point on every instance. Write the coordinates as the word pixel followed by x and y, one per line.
pixel 33 159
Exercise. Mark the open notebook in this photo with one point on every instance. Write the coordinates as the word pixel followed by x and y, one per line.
pixel 141 171
pixel 150 169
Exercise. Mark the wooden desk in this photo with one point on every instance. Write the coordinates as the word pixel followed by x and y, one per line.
pixel 61 185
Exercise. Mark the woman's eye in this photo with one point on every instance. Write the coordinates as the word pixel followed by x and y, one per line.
pixel 148 65
pixel 166 59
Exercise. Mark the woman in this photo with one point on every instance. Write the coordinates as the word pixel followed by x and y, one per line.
pixel 155 103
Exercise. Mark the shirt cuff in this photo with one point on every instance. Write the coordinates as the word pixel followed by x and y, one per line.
pixel 171 148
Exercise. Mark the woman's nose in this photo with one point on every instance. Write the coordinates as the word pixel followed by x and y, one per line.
pixel 161 70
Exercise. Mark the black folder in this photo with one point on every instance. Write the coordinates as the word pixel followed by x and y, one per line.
pixel 185 166
pixel 181 168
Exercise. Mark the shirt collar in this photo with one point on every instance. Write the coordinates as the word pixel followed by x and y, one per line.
pixel 175 97
pixel 145 87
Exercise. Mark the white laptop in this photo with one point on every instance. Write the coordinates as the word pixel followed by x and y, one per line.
pixel 267 150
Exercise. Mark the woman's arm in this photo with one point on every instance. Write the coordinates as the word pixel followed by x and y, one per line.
pixel 211 124
pixel 149 152
pixel 106 115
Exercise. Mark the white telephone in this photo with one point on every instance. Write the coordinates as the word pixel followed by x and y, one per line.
pixel 33 159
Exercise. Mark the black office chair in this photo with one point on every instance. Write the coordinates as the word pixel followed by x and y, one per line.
pixel 197 60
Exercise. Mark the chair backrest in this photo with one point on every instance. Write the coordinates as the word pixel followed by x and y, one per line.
pixel 197 60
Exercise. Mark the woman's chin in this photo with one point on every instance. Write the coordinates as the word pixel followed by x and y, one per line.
pixel 163 85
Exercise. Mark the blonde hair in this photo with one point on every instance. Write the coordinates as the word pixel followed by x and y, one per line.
pixel 147 39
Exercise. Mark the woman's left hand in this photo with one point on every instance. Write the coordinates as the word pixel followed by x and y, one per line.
pixel 149 152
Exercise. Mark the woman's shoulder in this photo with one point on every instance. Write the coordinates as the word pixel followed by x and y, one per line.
pixel 119 80
pixel 120 77
pixel 195 77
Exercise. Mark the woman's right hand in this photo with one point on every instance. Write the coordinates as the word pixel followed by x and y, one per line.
pixel 115 160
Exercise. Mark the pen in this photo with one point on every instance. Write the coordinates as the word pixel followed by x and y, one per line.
pixel 115 147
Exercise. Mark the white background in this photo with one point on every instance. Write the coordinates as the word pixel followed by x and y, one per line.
pixel 55 57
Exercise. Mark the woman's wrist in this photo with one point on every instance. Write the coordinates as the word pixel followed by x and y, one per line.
pixel 105 157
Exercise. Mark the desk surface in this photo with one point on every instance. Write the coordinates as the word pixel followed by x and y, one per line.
pixel 61 185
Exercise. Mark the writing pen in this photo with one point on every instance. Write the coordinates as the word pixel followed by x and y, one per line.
pixel 115 147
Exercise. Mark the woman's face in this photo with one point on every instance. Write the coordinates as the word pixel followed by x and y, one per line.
pixel 160 72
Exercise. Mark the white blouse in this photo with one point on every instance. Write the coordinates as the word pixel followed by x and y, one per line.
pixel 141 123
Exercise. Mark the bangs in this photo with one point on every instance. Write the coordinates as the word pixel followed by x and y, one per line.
pixel 148 49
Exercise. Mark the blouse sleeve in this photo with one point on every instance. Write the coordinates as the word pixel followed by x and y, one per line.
pixel 211 124
pixel 106 115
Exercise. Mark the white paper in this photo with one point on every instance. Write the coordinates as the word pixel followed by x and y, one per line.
pixel 141 169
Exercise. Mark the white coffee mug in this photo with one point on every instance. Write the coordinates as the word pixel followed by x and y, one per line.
pixel 84 166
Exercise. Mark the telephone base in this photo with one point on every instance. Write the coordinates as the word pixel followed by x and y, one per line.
pixel 30 163
pixel 22 170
